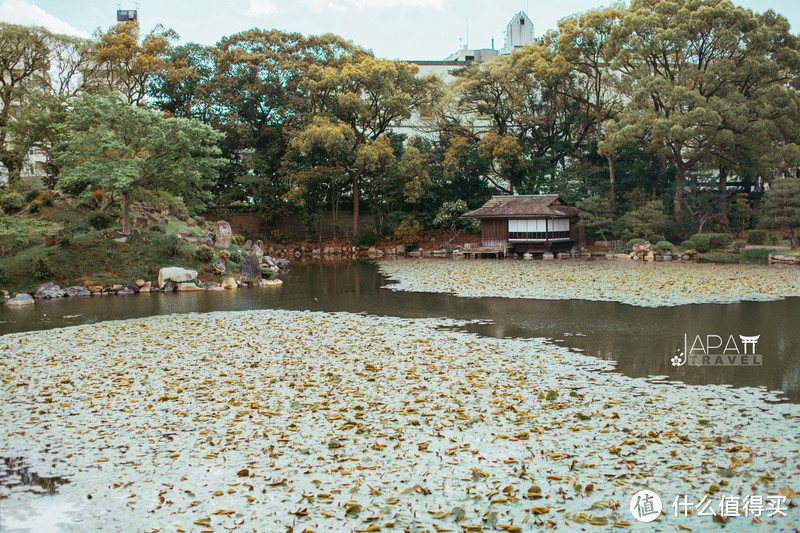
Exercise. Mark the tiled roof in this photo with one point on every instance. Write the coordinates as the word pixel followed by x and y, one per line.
pixel 524 206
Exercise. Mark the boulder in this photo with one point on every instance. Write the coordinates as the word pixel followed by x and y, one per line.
pixel 133 286
pixel 49 290
pixel 527 256
pixel 77 291
pixel 188 287
pixel 650 256
pixel 176 274
pixel 547 255
pixel 251 269
pixel 223 235
pixel 248 244
pixel 146 287
pixel 229 284
pixel 96 289
pixel 140 283
pixel 256 248
pixel 273 283
pixel 20 300
pixel 641 247
pixel 125 291
pixel 184 233
pixel 139 222
pixel 283 264
pixel 121 240
pixel 117 287
pixel 169 287
pixel 207 241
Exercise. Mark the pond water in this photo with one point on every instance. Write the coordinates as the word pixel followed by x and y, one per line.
pixel 640 340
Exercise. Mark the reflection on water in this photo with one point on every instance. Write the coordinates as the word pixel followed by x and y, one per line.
pixel 16 472
pixel 640 340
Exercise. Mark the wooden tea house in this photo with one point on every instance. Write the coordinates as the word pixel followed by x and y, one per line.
pixel 529 223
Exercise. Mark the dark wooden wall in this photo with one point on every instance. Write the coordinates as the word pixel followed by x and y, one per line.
pixel 494 232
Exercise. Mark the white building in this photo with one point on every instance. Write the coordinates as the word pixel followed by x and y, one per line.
pixel 519 32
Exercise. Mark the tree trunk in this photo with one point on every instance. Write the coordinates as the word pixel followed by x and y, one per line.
pixel 612 179
pixel 126 214
pixel 679 181
pixel 792 239
pixel 355 203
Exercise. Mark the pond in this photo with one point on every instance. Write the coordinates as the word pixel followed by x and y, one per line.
pixel 641 341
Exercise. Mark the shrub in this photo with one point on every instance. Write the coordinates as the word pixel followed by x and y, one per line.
pixel 408 232
pixel 30 195
pixel 719 258
pixel 173 246
pixel 238 239
pixel 224 254
pixel 656 238
pixel 64 235
pixel 702 242
pixel 235 256
pixel 204 254
pixel 739 245
pixel 365 238
pixel 757 253
pixel 774 238
pixel 663 247
pixel 156 228
pixel 34 206
pixel 45 198
pixel 721 240
pixel 12 202
pixel 41 269
pixel 757 236
pixel 100 219
pixel 630 243
pixel 688 245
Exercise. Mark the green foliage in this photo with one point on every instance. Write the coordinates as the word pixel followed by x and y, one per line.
pixel 629 245
pixel 757 253
pixel 238 239
pixel 156 228
pixel 100 219
pixel 366 238
pixel 448 216
pixel 17 234
pixel 65 235
pixel 235 256
pixel 45 198
pixel 173 246
pixel 662 247
pixel 739 245
pixel 756 236
pixel 721 240
pixel 702 242
pixel 41 269
pixel 655 238
pixel 643 221
pixel 719 258
pixel 780 207
pixel 740 213
pixel 408 232
pixel 34 206
pixel 12 202
pixel 688 245
pixel 203 254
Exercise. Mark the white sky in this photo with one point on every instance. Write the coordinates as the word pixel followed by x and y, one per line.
pixel 393 29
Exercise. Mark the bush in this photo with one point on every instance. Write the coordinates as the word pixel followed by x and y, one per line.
pixel 34 206
pixel 662 247
pixel 630 243
pixel 719 258
pixel 366 238
pixel 12 202
pixel 64 235
pixel 45 198
pixel 774 238
pixel 656 238
pixel 688 245
pixel 757 253
pixel 408 232
pixel 702 242
pixel 30 195
pixel 41 269
pixel 100 219
pixel 757 236
pixel 739 245
pixel 720 240
pixel 235 256
pixel 204 254
pixel 156 228
pixel 173 246
pixel 238 239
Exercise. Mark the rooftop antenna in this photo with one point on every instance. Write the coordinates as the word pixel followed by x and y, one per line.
pixel 467 34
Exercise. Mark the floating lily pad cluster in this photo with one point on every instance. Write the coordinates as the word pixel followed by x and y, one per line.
pixel 276 420
pixel 641 284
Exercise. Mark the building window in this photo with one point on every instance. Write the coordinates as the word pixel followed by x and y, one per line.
pixel 538 229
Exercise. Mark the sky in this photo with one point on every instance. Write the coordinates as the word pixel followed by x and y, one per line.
pixel 392 29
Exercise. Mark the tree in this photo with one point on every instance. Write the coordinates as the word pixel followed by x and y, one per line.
pixel 23 68
pixel 114 146
pixel 597 215
pixel 368 96
pixel 780 207
pixel 644 221
pixel 128 65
